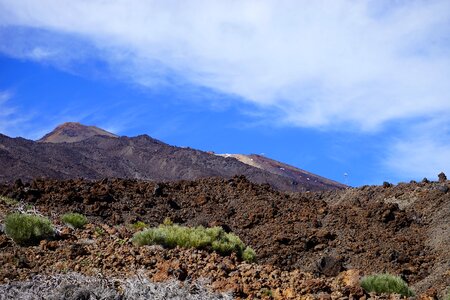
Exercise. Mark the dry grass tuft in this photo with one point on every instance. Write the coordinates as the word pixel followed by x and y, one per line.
pixel 76 286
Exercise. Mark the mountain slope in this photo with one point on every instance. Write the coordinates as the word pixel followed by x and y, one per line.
pixel 142 157
pixel 297 175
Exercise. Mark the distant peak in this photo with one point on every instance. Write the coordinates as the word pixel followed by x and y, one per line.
pixel 71 124
pixel 71 132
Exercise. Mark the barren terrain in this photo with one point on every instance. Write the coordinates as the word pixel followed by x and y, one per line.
pixel 305 242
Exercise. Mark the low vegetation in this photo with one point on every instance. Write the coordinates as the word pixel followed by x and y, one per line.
pixel 8 201
pixel 386 283
pixel 139 225
pixel 213 239
pixel 74 220
pixel 99 231
pixel 249 254
pixel 27 229
pixel 77 286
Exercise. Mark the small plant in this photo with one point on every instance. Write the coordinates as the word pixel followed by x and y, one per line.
pixel 213 239
pixel 8 201
pixel 167 221
pixel 139 225
pixel 74 220
pixel 121 241
pixel 84 262
pixel 99 231
pixel 249 254
pixel 27 229
pixel 386 283
pixel 265 292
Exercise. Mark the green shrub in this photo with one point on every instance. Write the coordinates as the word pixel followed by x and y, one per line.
pixel 213 239
pixel 8 201
pixel 249 254
pixel 139 225
pixel 99 231
pixel 74 220
pixel 386 283
pixel 26 228
pixel 167 221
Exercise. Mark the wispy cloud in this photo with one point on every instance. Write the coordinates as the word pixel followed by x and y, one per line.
pixel 319 63
pixel 39 53
pixel 17 121
pixel 11 121
pixel 423 152
pixel 333 65
pixel 6 111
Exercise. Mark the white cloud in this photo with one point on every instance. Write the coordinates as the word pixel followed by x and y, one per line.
pixel 343 64
pixel 318 63
pixel 418 157
pixel 422 150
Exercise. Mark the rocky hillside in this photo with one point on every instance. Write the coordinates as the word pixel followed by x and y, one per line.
pixel 303 241
pixel 77 151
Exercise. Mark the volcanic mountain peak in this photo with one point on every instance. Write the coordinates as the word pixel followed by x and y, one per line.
pixel 72 132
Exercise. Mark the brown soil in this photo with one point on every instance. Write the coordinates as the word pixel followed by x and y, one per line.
pixel 402 230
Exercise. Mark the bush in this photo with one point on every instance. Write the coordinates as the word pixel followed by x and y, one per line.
pixel 249 254
pixel 26 228
pixel 214 239
pixel 139 225
pixel 386 283
pixel 8 201
pixel 74 220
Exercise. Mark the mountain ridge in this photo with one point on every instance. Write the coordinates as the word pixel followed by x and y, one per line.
pixel 93 153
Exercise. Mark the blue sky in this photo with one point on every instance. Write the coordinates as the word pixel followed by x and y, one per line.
pixel 333 87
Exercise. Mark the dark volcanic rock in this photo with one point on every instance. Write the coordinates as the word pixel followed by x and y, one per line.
pixel 442 177
pixel 401 230
pixel 291 231
pixel 329 266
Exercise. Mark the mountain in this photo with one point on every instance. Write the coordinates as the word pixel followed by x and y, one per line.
pixel 73 150
pixel 298 176
pixel 71 132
